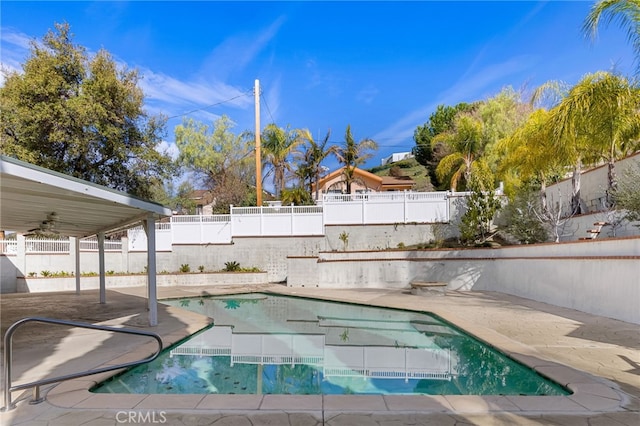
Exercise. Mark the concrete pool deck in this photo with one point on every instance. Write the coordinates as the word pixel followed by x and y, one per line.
pixel 596 357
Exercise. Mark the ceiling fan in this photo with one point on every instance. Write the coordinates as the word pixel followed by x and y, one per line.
pixel 46 227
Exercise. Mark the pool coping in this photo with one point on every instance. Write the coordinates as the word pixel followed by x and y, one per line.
pixel 590 395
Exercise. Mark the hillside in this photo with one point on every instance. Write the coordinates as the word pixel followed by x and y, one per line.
pixel 409 167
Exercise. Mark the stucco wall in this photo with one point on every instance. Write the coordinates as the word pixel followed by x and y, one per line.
pixel 43 285
pixel 593 184
pixel 599 277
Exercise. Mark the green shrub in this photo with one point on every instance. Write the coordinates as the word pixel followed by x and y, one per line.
pixel 185 268
pixel 201 268
pixel 232 266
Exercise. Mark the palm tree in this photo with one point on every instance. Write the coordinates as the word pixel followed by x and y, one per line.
pixel 466 143
pixel 597 120
pixel 278 145
pixel 352 154
pixel 528 154
pixel 314 154
pixel 627 12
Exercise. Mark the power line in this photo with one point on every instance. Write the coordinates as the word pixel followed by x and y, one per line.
pixel 264 99
pixel 212 105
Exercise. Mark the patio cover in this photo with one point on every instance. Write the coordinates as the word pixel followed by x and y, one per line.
pixel 29 195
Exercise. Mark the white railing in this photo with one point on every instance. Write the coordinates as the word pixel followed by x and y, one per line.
pixel 8 246
pixel 46 246
pixel 386 208
pixel 276 221
pixel 91 244
pixel 201 229
pixel 336 209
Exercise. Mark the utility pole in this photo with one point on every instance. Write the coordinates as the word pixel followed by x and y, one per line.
pixel 256 94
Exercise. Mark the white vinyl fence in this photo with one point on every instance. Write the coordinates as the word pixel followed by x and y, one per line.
pixel 386 208
pixel 277 221
pixel 336 209
pixel 8 246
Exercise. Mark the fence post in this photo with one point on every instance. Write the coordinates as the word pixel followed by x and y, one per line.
pixel 21 256
pixel 76 252
pixel 292 206
pixel 405 205
pixel 364 215
pixel 201 224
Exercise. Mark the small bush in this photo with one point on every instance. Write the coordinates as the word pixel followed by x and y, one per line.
pixel 45 273
pixel 232 266
pixel 185 268
pixel 201 268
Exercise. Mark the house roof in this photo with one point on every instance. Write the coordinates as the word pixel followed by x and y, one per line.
pixel 387 182
pixel 31 195
pixel 400 182
pixel 356 171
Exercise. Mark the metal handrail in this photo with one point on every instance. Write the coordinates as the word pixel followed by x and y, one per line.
pixel 9 405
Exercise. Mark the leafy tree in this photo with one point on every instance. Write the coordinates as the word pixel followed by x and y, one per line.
pixel 527 156
pixel 219 159
pixel 520 219
pixel 352 154
pixel 608 106
pixel 178 199
pixel 481 207
pixel 466 142
pixel 298 196
pixel 181 199
pixel 314 153
pixel 429 154
pixel 598 115
pixel 627 12
pixel 278 145
pixel 501 115
pixel 83 117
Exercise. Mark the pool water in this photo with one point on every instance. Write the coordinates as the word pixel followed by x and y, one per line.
pixel 268 344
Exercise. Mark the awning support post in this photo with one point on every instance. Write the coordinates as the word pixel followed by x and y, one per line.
pixel 101 269
pixel 152 296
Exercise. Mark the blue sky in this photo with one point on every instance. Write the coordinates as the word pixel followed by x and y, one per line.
pixel 381 67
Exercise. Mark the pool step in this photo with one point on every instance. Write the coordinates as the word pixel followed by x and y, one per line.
pixel 438 286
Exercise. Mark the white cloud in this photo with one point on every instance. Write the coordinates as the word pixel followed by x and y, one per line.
pixel 470 87
pixel 15 49
pixel 367 95
pixel 17 39
pixel 172 97
pixel 236 52
pixel 168 148
pixel 271 99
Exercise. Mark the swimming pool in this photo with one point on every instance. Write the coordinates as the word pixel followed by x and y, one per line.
pixel 268 344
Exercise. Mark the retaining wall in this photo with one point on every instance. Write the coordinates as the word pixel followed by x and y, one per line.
pixel 40 285
pixel 598 277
